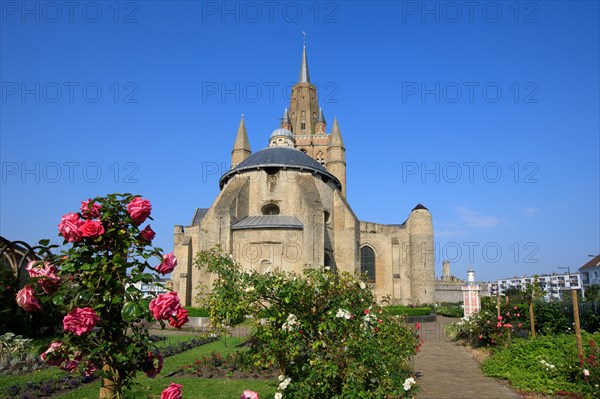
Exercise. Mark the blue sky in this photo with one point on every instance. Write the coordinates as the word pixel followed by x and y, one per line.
pixel 485 112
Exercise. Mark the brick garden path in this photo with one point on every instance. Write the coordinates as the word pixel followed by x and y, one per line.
pixel 447 371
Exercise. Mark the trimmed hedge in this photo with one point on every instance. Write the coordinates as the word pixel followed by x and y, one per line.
pixel 197 312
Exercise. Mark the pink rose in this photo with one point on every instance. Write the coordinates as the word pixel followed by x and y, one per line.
pixel 91 228
pixel 90 211
pixel 80 321
pixel 26 299
pixel 173 391
pixel 139 209
pixel 153 364
pixel 51 349
pixel 165 306
pixel 147 234
pixel 49 280
pixel 69 227
pixel 586 372
pixel 180 319
pixel 168 264
pixel 248 394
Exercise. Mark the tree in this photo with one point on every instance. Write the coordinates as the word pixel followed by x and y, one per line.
pixel 532 292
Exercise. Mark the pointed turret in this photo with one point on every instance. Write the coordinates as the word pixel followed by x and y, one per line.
pixel 304 76
pixel 285 120
pixel 336 155
pixel 320 126
pixel 335 140
pixel 241 147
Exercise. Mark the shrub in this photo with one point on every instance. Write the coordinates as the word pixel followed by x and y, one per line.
pixel 487 328
pixel 547 365
pixel 323 331
pixel 92 281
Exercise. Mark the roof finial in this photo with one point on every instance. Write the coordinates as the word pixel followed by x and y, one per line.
pixel 304 76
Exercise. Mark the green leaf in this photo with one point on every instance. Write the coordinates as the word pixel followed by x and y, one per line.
pixel 131 311
pixel 58 299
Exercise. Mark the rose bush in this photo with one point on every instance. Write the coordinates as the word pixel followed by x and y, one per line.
pixel 323 331
pixel 92 281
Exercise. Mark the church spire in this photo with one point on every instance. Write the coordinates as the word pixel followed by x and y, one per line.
pixel 241 147
pixel 304 76
pixel 285 120
pixel 320 126
pixel 336 136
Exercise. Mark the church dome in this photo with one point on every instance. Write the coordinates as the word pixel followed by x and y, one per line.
pixel 280 157
pixel 281 132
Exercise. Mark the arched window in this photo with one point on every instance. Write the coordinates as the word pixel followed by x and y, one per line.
pixel 270 209
pixel 367 263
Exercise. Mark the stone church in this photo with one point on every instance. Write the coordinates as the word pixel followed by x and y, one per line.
pixel 285 207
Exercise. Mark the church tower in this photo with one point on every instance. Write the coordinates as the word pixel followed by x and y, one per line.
pixel 303 103
pixel 241 147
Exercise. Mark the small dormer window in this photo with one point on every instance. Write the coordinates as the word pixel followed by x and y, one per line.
pixel 270 209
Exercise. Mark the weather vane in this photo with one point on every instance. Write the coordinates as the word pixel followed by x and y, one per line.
pixel 304 33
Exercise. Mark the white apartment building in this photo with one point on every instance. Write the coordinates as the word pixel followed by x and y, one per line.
pixel 553 285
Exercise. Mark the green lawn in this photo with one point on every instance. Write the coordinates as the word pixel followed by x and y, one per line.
pixel 151 388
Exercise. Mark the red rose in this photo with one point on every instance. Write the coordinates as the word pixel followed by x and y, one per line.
pixel 153 364
pixel 168 264
pixel 139 209
pixel 180 319
pixel 147 234
pixel 26 299
pixel 165 306
pixel 91 228
pixel 173 391
pixel 90 211
pixel 80 320
pixel 69 227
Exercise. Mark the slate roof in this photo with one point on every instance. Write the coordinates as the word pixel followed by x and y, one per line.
pixel 279 157
pixel 198 216
pixel 268 222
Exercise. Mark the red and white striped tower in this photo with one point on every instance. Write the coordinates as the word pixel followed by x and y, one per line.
pixel 471 295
